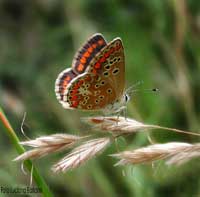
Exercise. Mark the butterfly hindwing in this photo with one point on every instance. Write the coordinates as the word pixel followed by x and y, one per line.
pixel 87 92
pixel 62 81
pixel 87 52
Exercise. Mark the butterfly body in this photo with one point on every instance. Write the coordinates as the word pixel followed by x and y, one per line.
pixel 96 80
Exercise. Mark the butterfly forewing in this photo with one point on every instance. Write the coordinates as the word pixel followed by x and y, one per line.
pixel 87 52
pixel 86 93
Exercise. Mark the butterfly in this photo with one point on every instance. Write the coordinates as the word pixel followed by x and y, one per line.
pixel 96 80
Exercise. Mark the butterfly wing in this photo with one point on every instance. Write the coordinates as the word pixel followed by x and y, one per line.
pixel 62 81
pixel 81 60
pixel 87 52
pixel 109 65
pixel 102 83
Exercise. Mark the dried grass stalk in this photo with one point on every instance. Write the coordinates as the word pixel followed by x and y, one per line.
pixel 81 154
pixel 120 125
pixel 47 144
pixel 115 124
pixel 174 152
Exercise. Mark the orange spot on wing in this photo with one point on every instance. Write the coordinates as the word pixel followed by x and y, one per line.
pixel 101 42
pixel 86 54
pixel 90 49
pixel 65 83
pixel 76 86
pixel 107 54
pixel 94 71
pixel 80 67
pixel 74 92
pixel 87 78
pixel 67 78
pixel 94 46
pixel 80 82
pixel 103 59
pixel 97 65
pixel 74 97
pixel 83 60
pixel 112 50
pixel 74 104
pixel 118 47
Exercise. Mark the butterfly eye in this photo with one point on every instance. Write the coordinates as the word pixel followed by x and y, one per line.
pixel 127 98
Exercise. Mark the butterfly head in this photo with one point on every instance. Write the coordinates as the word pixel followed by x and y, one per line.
pixel 126 98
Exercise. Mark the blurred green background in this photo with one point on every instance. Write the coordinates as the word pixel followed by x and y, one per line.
pixel 162 48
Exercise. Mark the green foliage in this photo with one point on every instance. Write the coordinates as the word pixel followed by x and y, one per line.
pixel 162 46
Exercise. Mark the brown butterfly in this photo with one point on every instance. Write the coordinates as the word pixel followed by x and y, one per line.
pixel 96 80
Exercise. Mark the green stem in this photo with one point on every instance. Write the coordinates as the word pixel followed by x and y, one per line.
pixel 20 149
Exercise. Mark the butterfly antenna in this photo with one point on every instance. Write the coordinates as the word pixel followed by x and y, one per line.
pixel 129 92
pixel 131 88
pixel 139 90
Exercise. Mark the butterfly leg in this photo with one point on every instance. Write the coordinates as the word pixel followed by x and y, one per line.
pixel 125 113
